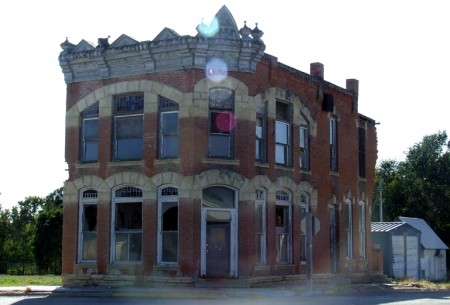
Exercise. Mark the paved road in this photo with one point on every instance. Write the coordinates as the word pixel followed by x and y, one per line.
pixel 366 298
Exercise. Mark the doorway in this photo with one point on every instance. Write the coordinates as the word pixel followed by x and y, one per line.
pixel 219 232
pixel 218 249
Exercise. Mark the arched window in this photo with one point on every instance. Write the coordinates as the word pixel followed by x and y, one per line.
pixel 218 197
pixel 362 229
pixel 283 229
pixel 87 241
pixel 168 225
pixel 127 225
pixel 349 228
pixel 260 226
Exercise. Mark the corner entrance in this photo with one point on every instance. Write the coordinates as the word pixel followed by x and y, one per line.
pixel 219 233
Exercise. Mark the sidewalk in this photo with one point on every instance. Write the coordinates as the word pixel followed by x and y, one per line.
pixel 190 292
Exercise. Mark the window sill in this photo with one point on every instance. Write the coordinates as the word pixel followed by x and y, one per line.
pixel 167 267
pixel 221 161
pixel 283 167
pixel 261 164
pixel 305 172
pixel 284 266
pixel 262 268
pixel 87 165
pixel 86 264
pixel 332 173
pixel 126 163
pixel 131 264
pixel 166 161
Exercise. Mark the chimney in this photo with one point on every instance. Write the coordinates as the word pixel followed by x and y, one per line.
pixel 316 69
pixel 352 85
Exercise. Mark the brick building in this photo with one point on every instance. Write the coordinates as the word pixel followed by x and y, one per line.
pixel 202 156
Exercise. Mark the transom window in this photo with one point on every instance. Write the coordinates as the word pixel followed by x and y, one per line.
pixel 218 197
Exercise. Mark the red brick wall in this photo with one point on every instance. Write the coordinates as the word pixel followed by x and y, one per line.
pixel 194 148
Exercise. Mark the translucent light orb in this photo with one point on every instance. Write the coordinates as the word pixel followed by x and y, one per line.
pixel 216 70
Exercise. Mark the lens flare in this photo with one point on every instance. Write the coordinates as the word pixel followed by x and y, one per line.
pixel 209 30
pixel 216 70
pixel 225 121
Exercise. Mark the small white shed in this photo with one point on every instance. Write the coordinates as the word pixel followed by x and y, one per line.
pixel 432 252
pixel 400 244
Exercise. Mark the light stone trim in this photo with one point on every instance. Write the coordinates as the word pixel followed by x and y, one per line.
pixel 105 94
pixel 189 186
pixel 272 94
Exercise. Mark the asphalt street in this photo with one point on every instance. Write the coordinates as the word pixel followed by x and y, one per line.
pixel 391 297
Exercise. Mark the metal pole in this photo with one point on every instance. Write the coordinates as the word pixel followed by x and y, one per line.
pixel 309 256
pixel 381 196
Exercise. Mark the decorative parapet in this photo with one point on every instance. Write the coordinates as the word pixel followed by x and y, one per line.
pixel 169 51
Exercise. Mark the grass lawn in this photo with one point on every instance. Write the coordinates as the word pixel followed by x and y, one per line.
pixel 28 280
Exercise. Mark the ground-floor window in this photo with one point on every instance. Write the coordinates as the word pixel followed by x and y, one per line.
pixel 87 248
pixel 168 225
pixel 127 225
pixel 349 228
pixel 260 227
pixel 362 229
pixel 283 229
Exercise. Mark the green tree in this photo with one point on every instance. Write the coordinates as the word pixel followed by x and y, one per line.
pixel 48 233
pixel 420 185
pixel 19 244
pixel 5 232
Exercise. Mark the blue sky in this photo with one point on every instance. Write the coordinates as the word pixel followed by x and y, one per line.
pixel 398 50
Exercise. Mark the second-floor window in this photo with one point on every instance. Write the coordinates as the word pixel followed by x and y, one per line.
pixel 89 134
pixel 283 134
pixel 168 129
pixel 333 145
pixel 304 144
pixel 221 123
pixel 362 151
pixel 128 127
pixel 260 133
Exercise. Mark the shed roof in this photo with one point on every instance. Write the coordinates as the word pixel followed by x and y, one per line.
pixel 429 239
pixel 385 226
